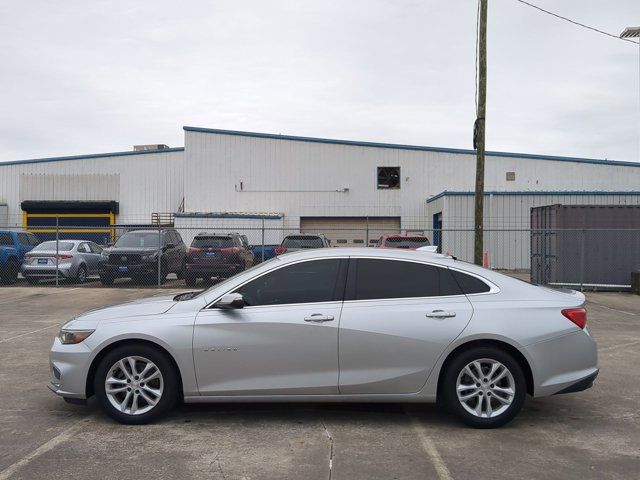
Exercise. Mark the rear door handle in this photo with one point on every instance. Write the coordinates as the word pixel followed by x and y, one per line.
pixel 441 314
pixel 318 318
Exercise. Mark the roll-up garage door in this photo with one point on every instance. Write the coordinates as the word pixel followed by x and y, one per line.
pixel 351 231
pixel 80 220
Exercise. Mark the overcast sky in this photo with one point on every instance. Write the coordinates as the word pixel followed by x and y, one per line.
pixel 98 76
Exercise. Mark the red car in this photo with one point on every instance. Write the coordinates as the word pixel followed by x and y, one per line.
pixel 406 241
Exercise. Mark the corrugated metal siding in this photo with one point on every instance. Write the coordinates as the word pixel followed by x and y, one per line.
pixel 505 217
pixel 151 182
pixel 303 178
pixel 43 186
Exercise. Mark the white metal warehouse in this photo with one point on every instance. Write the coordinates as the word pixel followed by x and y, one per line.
pixel 352 191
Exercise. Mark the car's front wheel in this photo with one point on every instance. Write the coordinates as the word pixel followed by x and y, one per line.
pixel 484 387
pixel 136 384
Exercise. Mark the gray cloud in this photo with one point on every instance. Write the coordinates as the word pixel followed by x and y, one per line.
pixel 81 77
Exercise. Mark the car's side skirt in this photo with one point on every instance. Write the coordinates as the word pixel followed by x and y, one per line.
pixel 411 397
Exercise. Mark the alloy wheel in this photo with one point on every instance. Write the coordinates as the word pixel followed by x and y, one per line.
pixel 485 388
pixel 134 385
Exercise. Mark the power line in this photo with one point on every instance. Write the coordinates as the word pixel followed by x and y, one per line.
pixel 576 23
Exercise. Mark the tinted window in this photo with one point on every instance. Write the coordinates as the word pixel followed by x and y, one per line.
pixel 84 248
pixel 138 240
pixel 95 248
pixel 302 241
pixel 5 239
pixel 33 239
pixel 23 238
pixel 394 279
pixel 213 242
pixel 407 242
pixel 470 284
pixel 51 246
pixel 313 281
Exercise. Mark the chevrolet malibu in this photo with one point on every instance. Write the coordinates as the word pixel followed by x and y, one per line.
pixel 338 325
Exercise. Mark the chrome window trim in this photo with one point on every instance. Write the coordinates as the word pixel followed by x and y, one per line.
pixel 493 288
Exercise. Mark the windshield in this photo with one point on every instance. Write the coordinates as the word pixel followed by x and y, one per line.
pixel 406 242
pixel 62 246
pixel 212 242
pixel 138 240
pixel 302 241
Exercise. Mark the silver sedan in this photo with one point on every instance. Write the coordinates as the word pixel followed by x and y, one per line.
pixel 366 325
pixel 75 260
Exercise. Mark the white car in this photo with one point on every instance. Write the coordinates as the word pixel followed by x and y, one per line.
pixel 366 325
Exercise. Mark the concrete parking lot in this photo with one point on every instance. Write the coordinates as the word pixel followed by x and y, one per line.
pixel 593 434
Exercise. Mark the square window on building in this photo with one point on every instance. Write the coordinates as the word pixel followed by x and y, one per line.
pixel 511 176
pixel 388 177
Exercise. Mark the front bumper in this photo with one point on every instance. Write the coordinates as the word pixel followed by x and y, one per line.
pixel 117 271
pixel 69 365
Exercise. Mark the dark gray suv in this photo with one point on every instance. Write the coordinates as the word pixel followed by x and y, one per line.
pixel 139 253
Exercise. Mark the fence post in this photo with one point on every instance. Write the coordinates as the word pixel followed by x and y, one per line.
pixel 582 261
pixel 159 255
pixel 263 239
pixel 57 249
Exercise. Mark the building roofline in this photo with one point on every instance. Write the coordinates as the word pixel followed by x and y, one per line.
pixel 533 192
pixel 92 155
pixel 411 147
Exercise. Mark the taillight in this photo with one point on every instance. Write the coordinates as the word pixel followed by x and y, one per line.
pixel 280 250
pixel 193 250
pixel 62 256
pixel 576 315
pixel 28 255
pixel 230 250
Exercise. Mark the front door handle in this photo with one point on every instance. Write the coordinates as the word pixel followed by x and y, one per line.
pixel 441 314
pixel 318 318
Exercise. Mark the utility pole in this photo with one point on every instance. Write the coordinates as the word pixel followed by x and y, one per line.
pixel 479 132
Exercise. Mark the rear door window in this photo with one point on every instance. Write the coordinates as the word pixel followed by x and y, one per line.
pixel 23 238
pixel 381 279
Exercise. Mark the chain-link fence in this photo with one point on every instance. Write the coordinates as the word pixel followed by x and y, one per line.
pixel 200 255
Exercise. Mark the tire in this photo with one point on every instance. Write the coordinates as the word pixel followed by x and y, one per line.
pixel 10 272
pixel 463 370
pixel 81 274
pixel 167 383
pixel 106 279
pixel 190 280
pixel 180 274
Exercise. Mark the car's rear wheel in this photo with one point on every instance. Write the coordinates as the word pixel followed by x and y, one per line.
pixel 136 384
pixel 190 280
pixel 81 275
pixel 106 279
pixel 484 387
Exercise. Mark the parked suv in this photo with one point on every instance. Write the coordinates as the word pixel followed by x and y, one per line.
pixel 407 241
pixel 293 243
pixel 216 256
pixel 13 246
pixel 135 255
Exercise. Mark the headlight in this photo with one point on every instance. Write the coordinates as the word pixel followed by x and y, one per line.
pixel 70 337
pixel 150 256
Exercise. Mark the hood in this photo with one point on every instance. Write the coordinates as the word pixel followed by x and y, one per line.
pixel 144 307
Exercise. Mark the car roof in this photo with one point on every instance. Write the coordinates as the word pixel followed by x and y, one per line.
pixel 403 235
pixel 368 252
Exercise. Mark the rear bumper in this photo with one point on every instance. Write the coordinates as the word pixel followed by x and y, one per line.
pixel 45 272
pixel 217 270
pixel 580 385
pixel 563 364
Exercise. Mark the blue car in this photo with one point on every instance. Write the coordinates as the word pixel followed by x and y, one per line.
pixel 13 245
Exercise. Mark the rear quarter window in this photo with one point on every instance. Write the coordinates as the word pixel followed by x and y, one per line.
pixel 469 284
pixel 5 239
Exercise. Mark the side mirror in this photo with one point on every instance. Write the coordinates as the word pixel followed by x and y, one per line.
pixel 171 245
pixel 230 301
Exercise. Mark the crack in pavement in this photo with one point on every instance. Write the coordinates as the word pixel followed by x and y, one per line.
pixel 328 435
